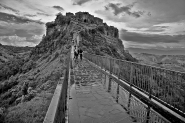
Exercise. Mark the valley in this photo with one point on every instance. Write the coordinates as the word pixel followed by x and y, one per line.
pixel 173 62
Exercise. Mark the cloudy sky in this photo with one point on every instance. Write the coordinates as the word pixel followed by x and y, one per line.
pixel 147 24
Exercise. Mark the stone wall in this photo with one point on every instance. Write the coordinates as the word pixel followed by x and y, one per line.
pixel 69 14
pixel 88 18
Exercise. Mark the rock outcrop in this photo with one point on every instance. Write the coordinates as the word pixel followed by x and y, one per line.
pixel 95 36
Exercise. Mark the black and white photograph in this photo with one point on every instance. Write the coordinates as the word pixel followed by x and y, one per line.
pixel 92 61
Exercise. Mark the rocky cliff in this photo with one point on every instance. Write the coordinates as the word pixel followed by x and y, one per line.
pixel 95 36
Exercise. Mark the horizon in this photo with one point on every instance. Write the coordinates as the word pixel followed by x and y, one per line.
pixel 156 25
pixel 157 51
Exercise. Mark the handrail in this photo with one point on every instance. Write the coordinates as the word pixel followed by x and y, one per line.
pixel 161 85
pixel 137 63
pixel 57 109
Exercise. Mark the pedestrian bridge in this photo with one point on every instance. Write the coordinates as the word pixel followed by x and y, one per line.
pixel 101 89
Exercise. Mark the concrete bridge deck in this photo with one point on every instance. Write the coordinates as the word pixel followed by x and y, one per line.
pixel 89 101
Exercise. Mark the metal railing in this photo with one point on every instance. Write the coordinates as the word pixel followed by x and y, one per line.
pixel 150 94
pixel 57 111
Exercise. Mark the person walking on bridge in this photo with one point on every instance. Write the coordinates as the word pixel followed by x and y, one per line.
pixel 75 54
pixel 80 51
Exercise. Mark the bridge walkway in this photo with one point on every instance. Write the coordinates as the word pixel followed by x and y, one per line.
pixel 89 102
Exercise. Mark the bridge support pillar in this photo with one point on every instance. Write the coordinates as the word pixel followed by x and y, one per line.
pixel 109 84
pixel 130 95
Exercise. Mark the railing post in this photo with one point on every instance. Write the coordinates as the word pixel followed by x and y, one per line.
pixel 119 74
pixel 97 60
pixel 150 85
pixel 110 67
pixel 130 95
pixel 105 80
pixel 102 78
pixel 117 97
pixel 110 78
pixel 105 63
pixel 101 63
pixel 150 96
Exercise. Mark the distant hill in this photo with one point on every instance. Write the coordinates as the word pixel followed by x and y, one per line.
pixel 16 49
pixel 174 62
pixel 9 52
pixel 5 54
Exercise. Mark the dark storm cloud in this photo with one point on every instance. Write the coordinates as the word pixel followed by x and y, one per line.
pixel 163 11
pixel 153 12
pixel 59 8
pixel 137 14
pixel 6 32
pixel 35 41
pixel 34 7
pixel 37 31
pixel 163 27
pixel 16 19
pixel 156 29
pixel 22 33
pixel 30 5
pixel 30 15
pixel 118 10
pixel 8 8
pixel 150 38
pixel 20 30
pixel 124 9
pixel 106 8
pixel 80 2
pixel 41 13
pixel 2 27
